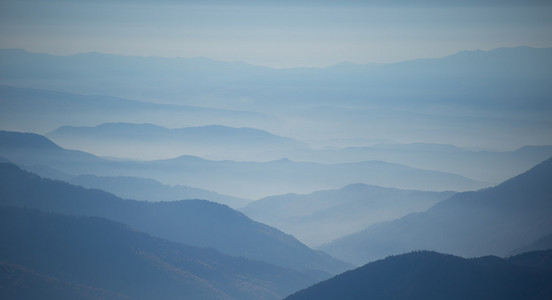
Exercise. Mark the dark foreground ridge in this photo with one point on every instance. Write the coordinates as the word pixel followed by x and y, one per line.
pixel 431 275
pixel 53 256
pixel 191 222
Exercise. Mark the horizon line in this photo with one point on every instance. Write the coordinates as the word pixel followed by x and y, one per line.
pixel 345 62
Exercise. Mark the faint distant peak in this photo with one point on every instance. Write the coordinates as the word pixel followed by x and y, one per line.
pixel 500 52
pixel 534 148
pixel 284 160
pixel 363 187
pixel 210 64
pixel 184 158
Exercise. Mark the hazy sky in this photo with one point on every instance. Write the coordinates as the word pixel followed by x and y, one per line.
pixel 274 33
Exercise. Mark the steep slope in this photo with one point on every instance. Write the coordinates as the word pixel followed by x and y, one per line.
pixel 431 275
pixel 490 221
pixel 34 149
pixel 156 142
pixel 67 257
pixel 323 216
pixel 193 222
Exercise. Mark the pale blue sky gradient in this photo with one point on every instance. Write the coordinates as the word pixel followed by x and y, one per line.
pixel 277 34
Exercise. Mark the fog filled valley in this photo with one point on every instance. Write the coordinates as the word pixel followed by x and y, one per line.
pixel 149 177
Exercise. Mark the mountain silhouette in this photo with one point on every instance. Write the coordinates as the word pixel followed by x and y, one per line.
pixel 431 275
pixel 172 78
pixel 323 216
pixel 243 179
pixel 52 256
pixel 492 221
pixel 44 110
pixel 192 222
pixel 495 98
pixel 33 149
pixel 40 155
pixel 156 142
pixel 485 165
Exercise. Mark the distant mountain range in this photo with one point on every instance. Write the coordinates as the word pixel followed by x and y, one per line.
pixel 34 110
pixel 215 142
pixel 496 98
pixel 493 221
pixel 323 216
pixel 52 256
pixel 43 111
pixel 148 141
pixel 190 79
pixel 430 275
pixel 484 165
pixel 248 180
pixel 191 222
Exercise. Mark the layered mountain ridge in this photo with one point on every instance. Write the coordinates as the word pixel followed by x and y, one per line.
pixel 493 221
pixel 192 222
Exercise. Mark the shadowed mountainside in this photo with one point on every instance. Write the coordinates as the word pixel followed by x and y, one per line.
pixel 192 222
pixel 431 275
pixel 52 256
